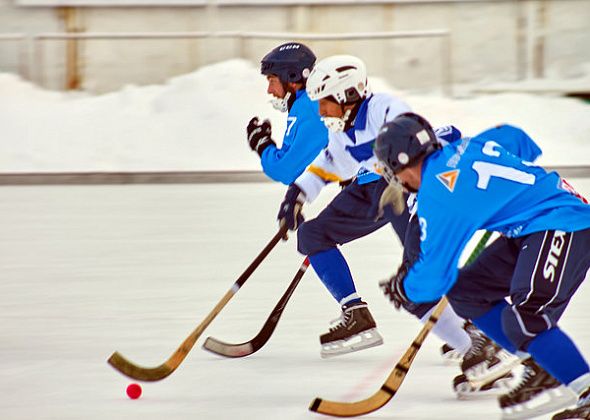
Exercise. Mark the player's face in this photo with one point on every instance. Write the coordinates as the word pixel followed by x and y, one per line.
pixel 275 87
pixel 329 108
pixel 410 178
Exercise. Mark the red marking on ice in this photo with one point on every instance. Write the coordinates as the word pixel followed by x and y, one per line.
pixel 374 379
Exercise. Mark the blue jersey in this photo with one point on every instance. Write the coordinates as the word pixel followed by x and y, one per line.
pixel 305 136
pixel 475 184
pixel 511 138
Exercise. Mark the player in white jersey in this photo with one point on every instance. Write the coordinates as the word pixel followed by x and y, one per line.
pixel 353 115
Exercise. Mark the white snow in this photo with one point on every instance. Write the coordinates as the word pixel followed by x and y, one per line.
pixel 197 122
pixel 87 270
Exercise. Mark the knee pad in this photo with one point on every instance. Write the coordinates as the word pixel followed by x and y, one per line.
pixel 521 327
pixel 464 309
pixel 309 240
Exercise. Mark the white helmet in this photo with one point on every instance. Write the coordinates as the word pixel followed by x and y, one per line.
pixel 342 76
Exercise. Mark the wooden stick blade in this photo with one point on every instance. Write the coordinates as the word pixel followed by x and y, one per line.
pixel 131 370
pixel 228 350
pixel 247 348
pixel 391 384
pixel 157 373
pixel 352 409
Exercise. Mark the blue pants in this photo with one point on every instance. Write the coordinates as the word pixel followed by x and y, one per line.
pixel 539 272
pixel 350 215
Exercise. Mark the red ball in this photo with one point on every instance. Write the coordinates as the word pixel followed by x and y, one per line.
pixel 134 391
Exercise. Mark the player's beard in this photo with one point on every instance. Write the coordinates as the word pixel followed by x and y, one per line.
pixel 409 188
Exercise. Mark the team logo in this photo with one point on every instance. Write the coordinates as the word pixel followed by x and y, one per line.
pixel 449 179
pixel 553 257
pixel 289 47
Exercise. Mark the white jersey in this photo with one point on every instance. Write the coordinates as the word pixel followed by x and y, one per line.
pixel 351 150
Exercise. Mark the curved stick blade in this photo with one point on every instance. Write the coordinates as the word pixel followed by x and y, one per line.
pixel 222 348
pixel 127 368
pixel 398 374
pixel 249 347
pixel 351 409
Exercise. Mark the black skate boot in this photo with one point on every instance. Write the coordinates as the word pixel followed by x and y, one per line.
pixel 582 410
pixel 538 393
pixel 485 361
pixel 466 391
pixel 356 330
pixel 449 354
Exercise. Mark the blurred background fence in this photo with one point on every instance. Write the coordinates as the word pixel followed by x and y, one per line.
pixel 490 40
pixel 241 40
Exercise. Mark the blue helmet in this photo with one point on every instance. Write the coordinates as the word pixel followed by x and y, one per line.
pixel 403 141
pixel 291 62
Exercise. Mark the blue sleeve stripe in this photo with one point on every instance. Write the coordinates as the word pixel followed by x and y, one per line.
pixel 362 151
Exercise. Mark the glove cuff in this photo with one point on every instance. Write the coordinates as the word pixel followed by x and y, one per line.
pixel 263 144
pixel 297 193
pixel 400 290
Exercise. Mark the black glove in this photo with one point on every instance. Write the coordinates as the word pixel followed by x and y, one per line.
pixel 259 135
pixel 290 210
pixel 393 288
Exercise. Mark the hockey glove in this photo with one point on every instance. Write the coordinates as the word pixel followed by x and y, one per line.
pixel 290 210
pixel 393 289
pixel 259 135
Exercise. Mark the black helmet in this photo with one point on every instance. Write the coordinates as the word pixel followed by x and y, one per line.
pixel 404 140
pixel 291 62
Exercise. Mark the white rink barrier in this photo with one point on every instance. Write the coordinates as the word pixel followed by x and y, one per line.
pixel 184 177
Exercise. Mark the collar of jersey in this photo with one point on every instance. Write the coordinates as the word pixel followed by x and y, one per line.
pixel 360 122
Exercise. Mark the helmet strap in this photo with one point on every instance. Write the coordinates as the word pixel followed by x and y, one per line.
pixel 285 103
pixel 281 104
pixel 337 124
pixel 350 113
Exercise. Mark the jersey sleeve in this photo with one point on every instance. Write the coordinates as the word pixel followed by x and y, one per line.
pixel 447 134
pixel 285 164
pixel 514 140
pixel 332 165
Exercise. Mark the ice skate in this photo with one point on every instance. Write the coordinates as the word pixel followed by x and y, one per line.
pixel 466 391
pixel 356 330
pixel 581 411
pixel 485 361
pixel 450 355
pixel 537 393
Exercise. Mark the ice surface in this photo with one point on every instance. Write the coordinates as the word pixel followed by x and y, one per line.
pixel 85 271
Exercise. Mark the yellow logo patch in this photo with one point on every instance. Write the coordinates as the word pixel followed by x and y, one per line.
pixel 449 179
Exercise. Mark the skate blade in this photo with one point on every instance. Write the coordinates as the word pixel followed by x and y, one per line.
pixel 500 387
pixel 452 358
pixel 364 340
pixel 480 375
pixel 551 401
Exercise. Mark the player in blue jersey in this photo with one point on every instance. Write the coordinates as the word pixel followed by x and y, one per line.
pixel 486 367
pixel 354 115
pixel 286 68
pixel 539 261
